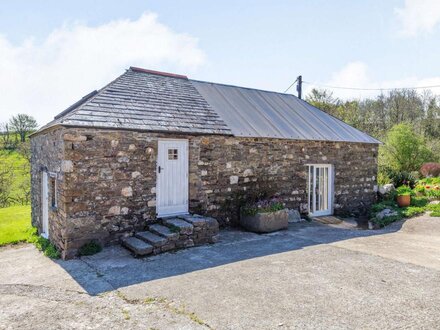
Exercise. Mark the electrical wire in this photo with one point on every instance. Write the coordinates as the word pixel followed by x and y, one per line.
pixel 367 89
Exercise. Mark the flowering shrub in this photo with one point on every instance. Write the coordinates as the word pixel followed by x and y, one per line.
pixel 263 206
pixel 401 178
pixel 429 187
pixel 430 170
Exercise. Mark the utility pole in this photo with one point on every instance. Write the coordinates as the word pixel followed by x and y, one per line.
pixel 299 86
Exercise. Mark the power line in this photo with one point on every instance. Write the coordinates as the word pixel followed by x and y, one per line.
pixel 368 89
pixel 291 85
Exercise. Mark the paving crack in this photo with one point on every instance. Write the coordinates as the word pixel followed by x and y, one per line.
pixel 178 309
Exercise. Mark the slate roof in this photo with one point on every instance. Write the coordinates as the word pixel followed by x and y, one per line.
pixel 145 100
pixel 156 101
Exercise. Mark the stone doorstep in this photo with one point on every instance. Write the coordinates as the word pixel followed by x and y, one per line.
pixel 199 221
pixel 194 219
pixel 153 239
pixel 137 246
pixel 164 232
pixel 184 227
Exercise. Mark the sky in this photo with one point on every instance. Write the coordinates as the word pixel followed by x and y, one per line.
pixel 54 52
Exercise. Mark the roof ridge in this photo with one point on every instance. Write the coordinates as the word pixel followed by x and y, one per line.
pixel 158 73
pixel 236 86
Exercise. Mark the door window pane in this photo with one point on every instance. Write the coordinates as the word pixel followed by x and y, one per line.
pixel 173 154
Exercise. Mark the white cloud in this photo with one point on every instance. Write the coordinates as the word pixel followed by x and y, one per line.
pixel 418 16
pixel 43 78
pixel 356 75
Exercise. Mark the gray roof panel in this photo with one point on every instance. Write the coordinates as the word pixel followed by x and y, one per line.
pixel 257 113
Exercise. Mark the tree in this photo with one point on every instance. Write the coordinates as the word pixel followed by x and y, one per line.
pixel 431 124
pixel 324 100
pixel 23 124
pixel 404 150
pixel 24 149
pixel 5 134
pixel 6 179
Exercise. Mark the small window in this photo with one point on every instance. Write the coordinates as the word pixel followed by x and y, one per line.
pixel 53 190
pixel 172 154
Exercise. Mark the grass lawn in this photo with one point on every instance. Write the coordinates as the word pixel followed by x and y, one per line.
pixel 15 224
pixel 21 173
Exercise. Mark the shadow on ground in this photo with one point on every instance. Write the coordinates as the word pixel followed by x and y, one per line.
pixel 114 267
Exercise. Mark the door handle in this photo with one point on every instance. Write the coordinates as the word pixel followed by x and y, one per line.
pixel 159 169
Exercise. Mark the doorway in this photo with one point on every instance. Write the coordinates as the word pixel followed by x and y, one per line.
pixel 320 189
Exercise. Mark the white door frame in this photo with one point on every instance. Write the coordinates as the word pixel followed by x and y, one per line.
pixel 172 192
pixel 44 205
pixel 327 184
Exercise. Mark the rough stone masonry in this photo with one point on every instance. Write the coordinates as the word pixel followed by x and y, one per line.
pixel 106 179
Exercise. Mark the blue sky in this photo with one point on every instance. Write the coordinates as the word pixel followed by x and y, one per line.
pixel 54 52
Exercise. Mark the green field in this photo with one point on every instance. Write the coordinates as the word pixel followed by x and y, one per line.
pixel 15 224
pixel 20 186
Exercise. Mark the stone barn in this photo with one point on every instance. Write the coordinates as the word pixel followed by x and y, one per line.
pixel 151 145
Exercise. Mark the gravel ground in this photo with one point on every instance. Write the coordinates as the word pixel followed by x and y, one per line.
pixel 312 276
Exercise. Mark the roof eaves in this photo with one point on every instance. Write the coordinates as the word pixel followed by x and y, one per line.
pixel 373 140
pixel 46 128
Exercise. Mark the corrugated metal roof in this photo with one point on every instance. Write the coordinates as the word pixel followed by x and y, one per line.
pixel 257 113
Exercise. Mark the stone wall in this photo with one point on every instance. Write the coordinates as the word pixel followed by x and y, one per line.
pixel 109 177
pixel 47 154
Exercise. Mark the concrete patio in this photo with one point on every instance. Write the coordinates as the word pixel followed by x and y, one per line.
pixel 310 276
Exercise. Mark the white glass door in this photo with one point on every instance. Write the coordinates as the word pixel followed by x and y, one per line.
pixel 44 205
pixel 320 189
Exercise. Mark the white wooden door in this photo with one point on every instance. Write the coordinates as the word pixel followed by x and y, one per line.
pixel 172 178
pixel 44 206
pixel 320 189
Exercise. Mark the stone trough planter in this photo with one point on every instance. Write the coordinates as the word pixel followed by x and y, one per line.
pixel 265 222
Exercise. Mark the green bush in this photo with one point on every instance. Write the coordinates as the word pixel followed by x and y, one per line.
pixel 382 177
pixel 435 214
pixel 418 206
pixel 90 248
pixel 419 201
pixel 388 220
pixel 433 207
pixel 387 204
pixel 404 150
pixel 401 178
pixel 44 245
pixel 403 191
pixel 411 211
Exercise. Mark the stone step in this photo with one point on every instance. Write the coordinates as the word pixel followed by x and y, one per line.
pixel 200 221
pixel 179 225
pixel 137 246
pixel 194 219
pixel 153 239
pixel 164 232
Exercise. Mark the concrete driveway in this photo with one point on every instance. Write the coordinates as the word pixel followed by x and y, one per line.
pixel 311 276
